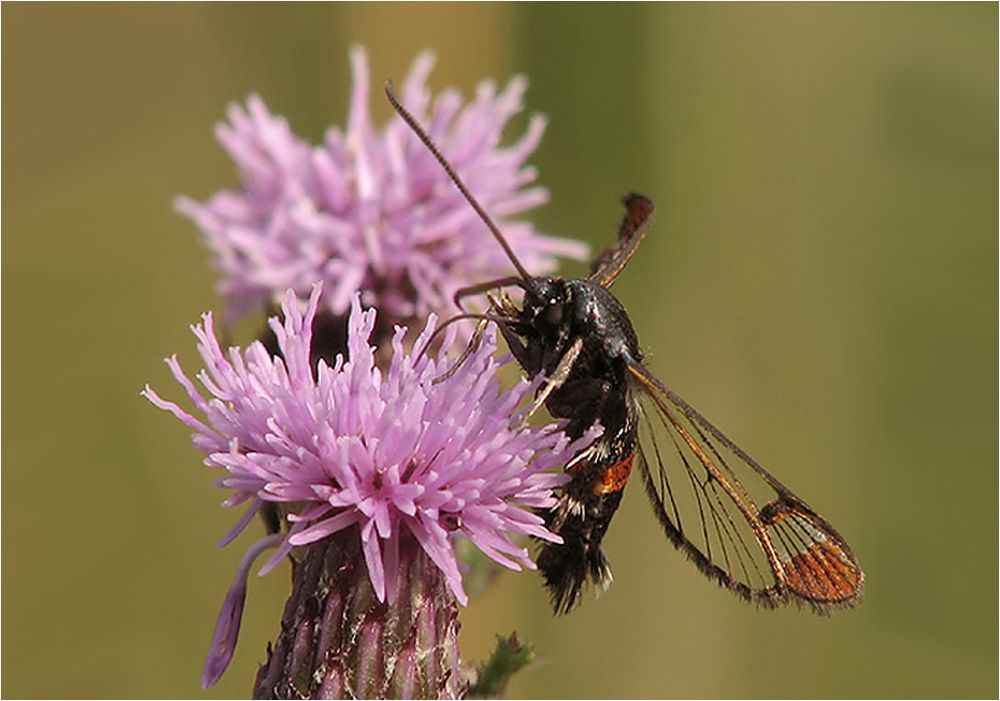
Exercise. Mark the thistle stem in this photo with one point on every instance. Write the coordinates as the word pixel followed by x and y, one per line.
pixel 338 640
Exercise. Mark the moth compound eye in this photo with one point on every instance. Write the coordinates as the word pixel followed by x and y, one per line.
pixel 552 315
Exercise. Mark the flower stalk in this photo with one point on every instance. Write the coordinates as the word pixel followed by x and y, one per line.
pixel 338 640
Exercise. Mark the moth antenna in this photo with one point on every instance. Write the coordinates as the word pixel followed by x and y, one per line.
pixel 494 229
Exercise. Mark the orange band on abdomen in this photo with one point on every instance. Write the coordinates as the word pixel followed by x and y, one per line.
pixel 614 478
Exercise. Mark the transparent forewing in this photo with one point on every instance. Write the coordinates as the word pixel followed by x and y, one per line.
pixel 700 513
pixel 739 524
pixel 634 226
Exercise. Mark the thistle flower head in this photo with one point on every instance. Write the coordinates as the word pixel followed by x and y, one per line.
pixel 388 451
pixel 370 210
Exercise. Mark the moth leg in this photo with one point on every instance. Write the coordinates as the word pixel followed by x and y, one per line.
pixel 470 348
pixel 558 377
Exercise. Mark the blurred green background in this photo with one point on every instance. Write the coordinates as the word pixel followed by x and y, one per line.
pixel 822 282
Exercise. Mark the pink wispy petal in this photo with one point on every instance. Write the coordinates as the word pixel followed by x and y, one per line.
pixel 369 209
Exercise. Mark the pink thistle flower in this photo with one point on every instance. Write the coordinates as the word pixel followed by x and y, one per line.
pixel 388 451
pixel 370 210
